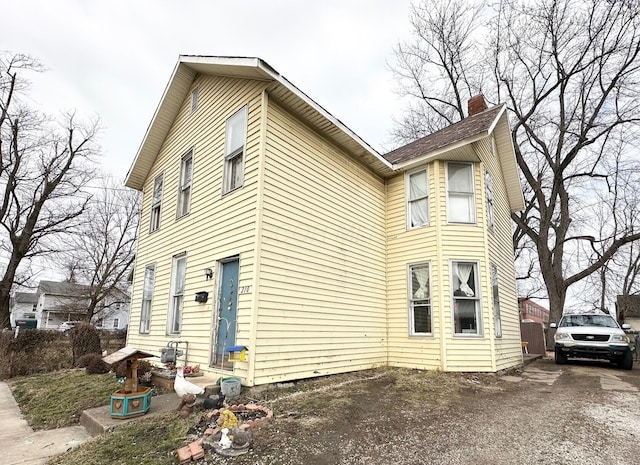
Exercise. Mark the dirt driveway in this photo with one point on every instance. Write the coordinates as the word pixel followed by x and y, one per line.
pixel 582 413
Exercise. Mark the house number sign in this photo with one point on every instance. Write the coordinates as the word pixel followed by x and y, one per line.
pixel 244 290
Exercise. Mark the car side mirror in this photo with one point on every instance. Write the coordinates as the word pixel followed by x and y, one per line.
pixel 626 326
pixel 553 325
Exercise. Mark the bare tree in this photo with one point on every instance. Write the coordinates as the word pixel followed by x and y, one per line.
pixel 569 72
pixel 44 169
pixel 100 251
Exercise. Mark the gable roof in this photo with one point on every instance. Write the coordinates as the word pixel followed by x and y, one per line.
pixel 280 88
pixel 26 297
pixel 62 288
pixel 454 142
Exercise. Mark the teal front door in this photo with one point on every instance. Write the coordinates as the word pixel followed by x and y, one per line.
pixel 227 312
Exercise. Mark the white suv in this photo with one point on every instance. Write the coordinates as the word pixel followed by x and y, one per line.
pixel 594 336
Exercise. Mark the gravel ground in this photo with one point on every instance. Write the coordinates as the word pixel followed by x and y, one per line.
pixel 582 413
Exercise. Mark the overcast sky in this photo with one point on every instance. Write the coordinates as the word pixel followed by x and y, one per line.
pixel 113 58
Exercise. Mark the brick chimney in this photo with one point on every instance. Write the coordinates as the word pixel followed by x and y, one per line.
pixel 476 104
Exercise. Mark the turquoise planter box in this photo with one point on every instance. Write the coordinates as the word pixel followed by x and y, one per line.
pixel 130 404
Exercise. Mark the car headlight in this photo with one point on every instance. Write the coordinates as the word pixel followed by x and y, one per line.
pixel 559 336
pixel 620 338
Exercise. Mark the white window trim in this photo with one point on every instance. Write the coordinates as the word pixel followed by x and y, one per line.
pixel 226 178
pixel 182 186
pixel 410 299
pixel 408 200
pixel 489 199
pixel 477 299
pixel 473 193
pixel 156 203
pixel 194 99
pixel 147 328
pixel 495 300
pixel 171 316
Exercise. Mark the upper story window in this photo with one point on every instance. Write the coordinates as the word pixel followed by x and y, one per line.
pixel 488 187
pixel 419 299
pixel 194 100
pixel 460 197
pixel 497 321
pixel 156 202
pixel 184 193
pixel 236 135
pixel 417 199
pixel 466 299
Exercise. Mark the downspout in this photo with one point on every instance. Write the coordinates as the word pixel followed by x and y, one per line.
pixel 257 246
pixel 444 315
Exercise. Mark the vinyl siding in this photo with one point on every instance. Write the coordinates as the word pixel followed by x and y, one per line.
pixel 217 226
pixel 322 302
pixel 508 351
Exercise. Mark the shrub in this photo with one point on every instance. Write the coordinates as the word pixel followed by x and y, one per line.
pixel 33 351
pixel 96 366
pixel 85 339
pixel 84 361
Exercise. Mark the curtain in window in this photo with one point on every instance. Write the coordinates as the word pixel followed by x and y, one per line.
pixel 418 198
pixel 236 132
pixel 422 276
pixel 463 272
pixel 180 277
pixel 460 178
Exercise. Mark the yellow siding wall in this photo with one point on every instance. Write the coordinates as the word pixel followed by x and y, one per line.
pixel 216 227
pixel 322 303
pixel 439 243
pixel 508 351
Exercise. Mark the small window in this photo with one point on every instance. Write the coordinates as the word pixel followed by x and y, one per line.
pixel 99 323
pixel 466 301
pixel 236 134
pixel 496 301
pixel 177 293
pixel 184 194
pixel 488 186
pixel 419 299
pixel 116 323
pixel 461 205
pixel 194 100
pixel 156 202
pixel 418 199
pixel 147 297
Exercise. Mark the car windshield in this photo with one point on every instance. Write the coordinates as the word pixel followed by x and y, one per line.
pixel 588 320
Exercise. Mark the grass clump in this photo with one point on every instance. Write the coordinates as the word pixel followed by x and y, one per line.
pixel 150 441
pixel 54 400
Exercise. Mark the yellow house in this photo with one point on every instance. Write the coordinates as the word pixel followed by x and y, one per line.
pixel 276 244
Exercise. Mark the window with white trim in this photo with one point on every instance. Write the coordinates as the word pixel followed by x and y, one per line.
pixel 497 321
pixel 194 100
pixel 236 135
pixel 147 298
pixel 417 199
pixel 419 299
pixel 488 187
pixel 116 323
pixel 460 197
pixel 186 175
pixel 156 202
pixel 179 269
pixel 466 299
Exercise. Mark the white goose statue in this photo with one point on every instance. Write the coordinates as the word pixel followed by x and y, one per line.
pixel 182 386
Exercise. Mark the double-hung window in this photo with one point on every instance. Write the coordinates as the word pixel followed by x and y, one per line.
pixel 156 202
pixel 147 297
pixel 236 135
pixel 419 299
pixel 418 199
pixel 460 198
pixel 116 323
pixel 497 322
pixel 488 187
pixel 177 293
pixel 466 301
pixel 186 175
pixel 194 100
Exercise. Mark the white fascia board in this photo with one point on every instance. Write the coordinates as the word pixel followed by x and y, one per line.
pixel 434 155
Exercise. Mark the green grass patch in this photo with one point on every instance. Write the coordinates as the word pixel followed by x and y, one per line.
pixel 151 441
pixel 54 400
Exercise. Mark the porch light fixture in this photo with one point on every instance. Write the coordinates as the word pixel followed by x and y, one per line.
pixel 208 273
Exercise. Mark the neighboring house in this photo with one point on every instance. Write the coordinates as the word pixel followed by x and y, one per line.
pixel 529 310
pixel 628 310
pixel 55 302
pixel 267 223
pixel 23 306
